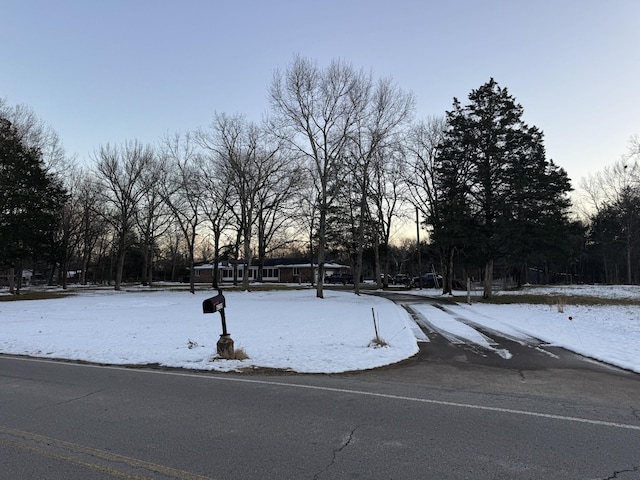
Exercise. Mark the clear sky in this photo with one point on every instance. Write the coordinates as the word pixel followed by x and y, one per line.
pixel 103 71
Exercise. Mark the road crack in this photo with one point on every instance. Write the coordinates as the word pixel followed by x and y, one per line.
pixel 347 439
pixel 633 469
pixel 71 400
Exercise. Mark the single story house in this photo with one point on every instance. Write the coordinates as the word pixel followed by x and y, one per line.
pixel 280 270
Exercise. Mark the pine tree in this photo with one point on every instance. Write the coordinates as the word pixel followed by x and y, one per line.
pixel 30 201
pixel 498 190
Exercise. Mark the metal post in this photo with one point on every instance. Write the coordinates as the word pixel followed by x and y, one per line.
pixel 418 245
pixel 224 323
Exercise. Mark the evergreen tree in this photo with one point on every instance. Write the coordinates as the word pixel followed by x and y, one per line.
pixel 30 201
pixel 497 189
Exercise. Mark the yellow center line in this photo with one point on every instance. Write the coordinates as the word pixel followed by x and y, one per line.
pixel 91 458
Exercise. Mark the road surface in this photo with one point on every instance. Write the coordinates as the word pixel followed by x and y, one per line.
pixel 452 412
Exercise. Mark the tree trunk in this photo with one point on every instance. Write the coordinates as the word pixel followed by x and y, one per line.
pixel 64 267
pixel 357 272
pixel 321 252
pixel 629 277
pixel 192 276
pixel 488 279
pixel 380 281
pixel 11 280
pixel 150 268
pixel 145 265
pixel 19 278
pixel 85 266
pixel 119 269
pixel 447 284
pixel 246 248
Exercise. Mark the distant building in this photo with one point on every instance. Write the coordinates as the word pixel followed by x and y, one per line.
pixel 280 270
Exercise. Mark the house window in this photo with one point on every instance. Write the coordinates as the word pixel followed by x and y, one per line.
pixel 197 272
pixel 296 270
pixel 270 273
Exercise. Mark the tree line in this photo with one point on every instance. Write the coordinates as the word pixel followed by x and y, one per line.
pixel 331 171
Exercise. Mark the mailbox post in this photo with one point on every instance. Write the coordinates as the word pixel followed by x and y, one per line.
pixel 225 342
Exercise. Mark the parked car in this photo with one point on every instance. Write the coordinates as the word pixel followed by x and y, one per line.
pixel 342 278
pixel 429 280
pixel 401 279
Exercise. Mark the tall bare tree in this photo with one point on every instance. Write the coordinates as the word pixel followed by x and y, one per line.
pixel 314 112
pixel 153 217
pixel 421 180
pixel 276 205
pixel 92 220
pixel 388 192
pixel 70 223
pixel 183 190
pixel 254 169
pixel 388 110
pixel 217 207
pixel 120 170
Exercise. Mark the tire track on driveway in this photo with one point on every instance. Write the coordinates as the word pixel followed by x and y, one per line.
pixel 505 348
pixel 438 320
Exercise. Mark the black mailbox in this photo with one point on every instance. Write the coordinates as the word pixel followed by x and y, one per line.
pixel 217 304
pixel 213 304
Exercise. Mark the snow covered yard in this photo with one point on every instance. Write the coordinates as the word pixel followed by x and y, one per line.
pixel 293 330
pixel 290 330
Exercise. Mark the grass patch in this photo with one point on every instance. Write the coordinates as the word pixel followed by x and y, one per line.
pixel 378 342
pixel 552 300
pixel 35 295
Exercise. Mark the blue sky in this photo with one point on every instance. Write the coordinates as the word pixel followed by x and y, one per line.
pixel 113 70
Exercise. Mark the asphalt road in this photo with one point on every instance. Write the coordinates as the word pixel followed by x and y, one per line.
pixel 451 412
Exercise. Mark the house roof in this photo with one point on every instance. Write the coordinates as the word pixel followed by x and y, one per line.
pixel 276 263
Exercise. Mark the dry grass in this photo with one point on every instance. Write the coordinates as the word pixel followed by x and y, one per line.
pixel 378 342
pixel 34 295
pixel 238 354
pixel 552 300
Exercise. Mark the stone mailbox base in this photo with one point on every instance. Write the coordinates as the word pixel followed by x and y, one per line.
pixel 225 346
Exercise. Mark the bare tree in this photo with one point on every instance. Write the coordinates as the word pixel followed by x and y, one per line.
pixel 388 191
pixel 306 217
pixel 217 207
pixel 609 200
pixel 421 179
pixel 153 217
pixel 70 223
pixel 92 224
pixel 388 109
pixel 605 187
pixel 276 207
pixel 33 132
pixel 259 178
pixel 183 190
pixel 314 112
pixel 120 171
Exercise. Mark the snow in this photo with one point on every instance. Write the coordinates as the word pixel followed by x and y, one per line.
pixel 293 330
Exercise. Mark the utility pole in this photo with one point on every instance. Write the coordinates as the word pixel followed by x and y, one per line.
pixel 418 246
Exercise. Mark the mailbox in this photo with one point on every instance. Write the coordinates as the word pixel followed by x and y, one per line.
pixel 214 304
pixel 217 304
